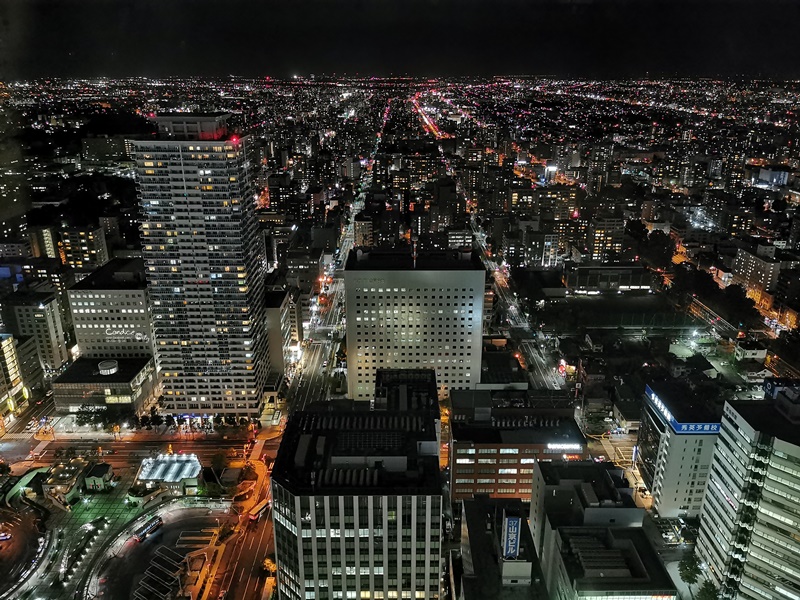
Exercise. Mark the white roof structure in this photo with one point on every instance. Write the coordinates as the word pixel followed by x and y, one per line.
pixel 170 468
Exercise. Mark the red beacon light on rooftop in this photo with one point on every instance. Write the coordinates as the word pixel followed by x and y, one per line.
pixel 235 139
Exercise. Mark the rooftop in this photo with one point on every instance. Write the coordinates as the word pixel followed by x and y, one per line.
pixel 606 479
pixel 482 565
pixel 407 390
pixel 513 431
pixel 87 370
pixel 29 298
pixel 401 259
pixel 116 274
pixel 682 405
pixel 66 473
pixel 765 417
pixel 501 367
pixel 99 470
pixel 169 468
pixel 364 453
pixel 479 404
pixel 609 560
pixel 274 298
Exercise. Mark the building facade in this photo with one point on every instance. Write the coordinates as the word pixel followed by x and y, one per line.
pixel 98 383
pixel 83 248
pixel 38 315
pixel 750 520
pixel 413 312
pixel 498 459
pixel 357 506
pixel 12 387
pixel 111 313
pixel 205 266
pixel 675 447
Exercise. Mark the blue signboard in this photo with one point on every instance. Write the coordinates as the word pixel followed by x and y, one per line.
pixel 511 531
pixel 677 427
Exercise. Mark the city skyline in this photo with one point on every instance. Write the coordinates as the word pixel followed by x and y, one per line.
pixel 587 38
pixel 394 338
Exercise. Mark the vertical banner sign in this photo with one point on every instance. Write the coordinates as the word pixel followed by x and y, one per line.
pixel 511 527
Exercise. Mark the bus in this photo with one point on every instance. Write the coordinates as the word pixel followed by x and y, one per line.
pixel 148 528
pixel 259 509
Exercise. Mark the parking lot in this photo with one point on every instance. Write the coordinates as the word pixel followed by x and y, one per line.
pixel 676 532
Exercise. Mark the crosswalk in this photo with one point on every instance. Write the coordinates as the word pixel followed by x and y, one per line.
pixel 16 436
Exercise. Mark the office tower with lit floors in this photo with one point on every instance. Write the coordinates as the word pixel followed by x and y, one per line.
pixel 407 312
pixel 675 444
pixel 205 266
pixel 357 503
pixel 751 512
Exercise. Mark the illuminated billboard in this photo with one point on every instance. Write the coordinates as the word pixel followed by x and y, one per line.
pixel 678 427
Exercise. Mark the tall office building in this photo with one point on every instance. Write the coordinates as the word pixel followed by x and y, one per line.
pixel 676 443
pixel 750 520
pixel 38 315
pixel 406 311
pixel 357 503
pixel 12 388
pixel 605 237
pixel 110 311
pixel 205 266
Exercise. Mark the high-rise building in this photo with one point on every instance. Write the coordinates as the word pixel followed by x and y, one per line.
pixel 560 200
pixel 357 504
pixel 363 230
pixel 30 363
pixel 605 238
pixel 409 311
pixel 44 241
pixel 279 330
pixel 37 314
pixel 750 520
pixel 205 266
pixel 676 443
pixel 110 311
pixel 757 269
pixel 12 392
pixel 83 248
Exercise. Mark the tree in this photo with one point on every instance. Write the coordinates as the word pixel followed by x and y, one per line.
pixel 689 570
pixel 658 249
pixel 219 462
pixel 636 229
pixel 155 418
pixel 707 591
pixel 87 415
pixel 169 421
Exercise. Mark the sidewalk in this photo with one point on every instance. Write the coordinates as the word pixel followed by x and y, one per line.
pixel 66 431
pixel 684 593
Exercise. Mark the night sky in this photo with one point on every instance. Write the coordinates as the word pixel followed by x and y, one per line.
pixel 582 38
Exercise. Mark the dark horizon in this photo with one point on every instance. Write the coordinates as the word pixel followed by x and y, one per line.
pixel 592 39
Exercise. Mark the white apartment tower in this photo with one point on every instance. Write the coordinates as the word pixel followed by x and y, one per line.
pixel 410 312
pixel 205 266
pixel 751 518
